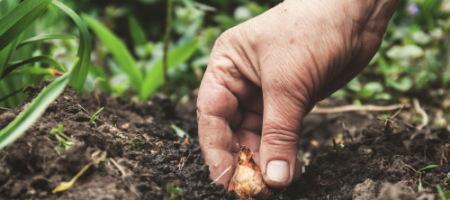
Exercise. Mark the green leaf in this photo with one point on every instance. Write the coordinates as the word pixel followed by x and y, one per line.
pixel 402 52
pixel 136 31
pixel 118 50
pixel 374 86
pixel 6 54
pixel 44 59
pixel 79 74
pixel 180 132
pixel 154 78
pixel 18 19
pixel 60 128
pixel 403 84
pixel 34 71
pixel 365 93
pixel 27 117
pixel 95 116
pixel 46 37
pixel 441 194
pixel 428 167
pixel 420 187
pixel 446 194
pixel 354 85
pixel 99 72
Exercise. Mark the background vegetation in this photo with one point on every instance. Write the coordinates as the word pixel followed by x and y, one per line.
pixel 127 39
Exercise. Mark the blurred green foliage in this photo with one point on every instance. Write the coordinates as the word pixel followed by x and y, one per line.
pixel 412 61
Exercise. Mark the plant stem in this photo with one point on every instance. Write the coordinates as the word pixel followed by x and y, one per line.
pixel 166 43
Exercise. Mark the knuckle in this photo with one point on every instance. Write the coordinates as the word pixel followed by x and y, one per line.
pixel 278 137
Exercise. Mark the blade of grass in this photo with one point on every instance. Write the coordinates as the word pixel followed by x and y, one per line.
pixel 136 31
pixel 35 71
pixel 153 79
pixel 441 194
pixel 27 117
pixel 428 167
pixel 98 72
pixel 118 50
pixel 12 94
pixel 6 54
pixel 47 37
pixel 44 59
pixel 79 74
pixel 17 20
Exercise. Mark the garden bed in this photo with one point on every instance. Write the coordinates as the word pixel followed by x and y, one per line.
pixel 365 169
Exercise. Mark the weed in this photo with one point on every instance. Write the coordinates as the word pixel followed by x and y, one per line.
pixel 448 177
pixel 119 135
pixel 136 144
pixel 95 116
pixel 7 171
pixel 419 173
pixel 63 144
pixel 174 192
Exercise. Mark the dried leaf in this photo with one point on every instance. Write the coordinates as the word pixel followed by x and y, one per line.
pixel 185 142
pixel 66 185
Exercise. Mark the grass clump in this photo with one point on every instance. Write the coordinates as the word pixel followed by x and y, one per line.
pixel 96 115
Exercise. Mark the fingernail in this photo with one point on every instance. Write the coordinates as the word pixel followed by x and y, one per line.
pixel 278 170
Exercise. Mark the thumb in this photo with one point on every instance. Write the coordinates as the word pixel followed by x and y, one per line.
pixel 285 104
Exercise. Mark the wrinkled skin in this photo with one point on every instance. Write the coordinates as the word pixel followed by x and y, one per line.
pixel 264 75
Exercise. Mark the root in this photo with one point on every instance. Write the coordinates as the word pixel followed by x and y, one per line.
pixel 347 131
pixel 223 173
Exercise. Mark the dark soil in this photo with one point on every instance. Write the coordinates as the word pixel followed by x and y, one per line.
pixel 371 167
pixel 368 168
pixel 31 168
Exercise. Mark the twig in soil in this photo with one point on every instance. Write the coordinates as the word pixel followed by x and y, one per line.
pixel 444 154
pixel 349 108
pixel 409 166
pixel 422 112
pixel 66 185
pixel 182 161
pixel 146 138
pixel 1 108
pixel 120 168
pixel 223 173
pixel 346 130
pixel 389 121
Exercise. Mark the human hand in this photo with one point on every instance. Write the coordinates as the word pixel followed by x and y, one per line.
pixel 264 75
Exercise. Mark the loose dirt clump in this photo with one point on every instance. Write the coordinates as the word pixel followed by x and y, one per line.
pixel 138 138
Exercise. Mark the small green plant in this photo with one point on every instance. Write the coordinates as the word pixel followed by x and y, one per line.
pixel 95 116
pixel 119 135
pixel 136 144
pixel 7 171
pixel 58 133
pixel 180 132
pixel 448 177
pixel 419 173
pixel 174 192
